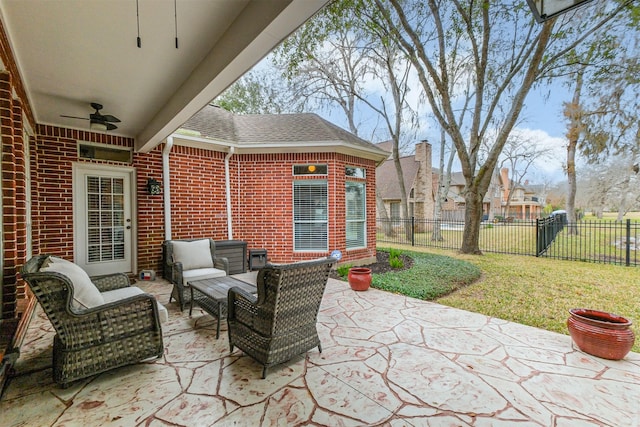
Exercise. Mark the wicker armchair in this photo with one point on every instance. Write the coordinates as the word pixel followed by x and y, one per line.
pixel 123 330
pixel 280 322
pixel 191 259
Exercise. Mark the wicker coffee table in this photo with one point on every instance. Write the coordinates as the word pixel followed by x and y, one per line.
pixel 211 295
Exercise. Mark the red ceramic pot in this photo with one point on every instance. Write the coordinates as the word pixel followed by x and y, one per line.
pixel 600 333
pixel 359 278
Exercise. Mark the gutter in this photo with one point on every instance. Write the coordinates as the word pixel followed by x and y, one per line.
pixel 165 185
pixel 227 183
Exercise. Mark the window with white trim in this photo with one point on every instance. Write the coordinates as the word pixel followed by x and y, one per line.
pixel 310 215
pixel 356 215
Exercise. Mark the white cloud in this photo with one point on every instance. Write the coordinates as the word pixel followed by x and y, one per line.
pixel 551 166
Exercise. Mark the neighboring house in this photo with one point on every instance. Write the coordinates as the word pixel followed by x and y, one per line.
pixel 418 182
pixel 454 206
pixel 421 182
pixel 527 201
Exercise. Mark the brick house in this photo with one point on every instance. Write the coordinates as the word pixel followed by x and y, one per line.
pixel 71 189
pixel 418 179
pixel 527 201
pixel 421 184
pixel 299 186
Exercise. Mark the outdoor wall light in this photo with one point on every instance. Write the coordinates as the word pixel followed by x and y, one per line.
pixel 153 186
pixel 547 9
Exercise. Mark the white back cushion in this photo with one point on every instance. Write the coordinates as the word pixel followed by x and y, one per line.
pixel 195 254
pixel 85 293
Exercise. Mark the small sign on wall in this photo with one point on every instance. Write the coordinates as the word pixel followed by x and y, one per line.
pixel 147 275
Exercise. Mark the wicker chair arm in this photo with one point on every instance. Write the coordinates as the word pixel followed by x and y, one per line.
pixel 110 282
pixel 176 277
pixel 221 263
pixel 240 299
pixel 118 318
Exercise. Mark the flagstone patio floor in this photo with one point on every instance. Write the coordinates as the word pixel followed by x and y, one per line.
pixel 387 360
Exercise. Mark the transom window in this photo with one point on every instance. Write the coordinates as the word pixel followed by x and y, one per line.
pixel 355 172
pixel 310 215
pixel 312 169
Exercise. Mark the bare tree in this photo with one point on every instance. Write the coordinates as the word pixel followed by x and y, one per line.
pixel 518 155
pixel 331 58
pixel 505 52
pixel 444 183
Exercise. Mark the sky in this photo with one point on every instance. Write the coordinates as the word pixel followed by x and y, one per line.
pixel 541 120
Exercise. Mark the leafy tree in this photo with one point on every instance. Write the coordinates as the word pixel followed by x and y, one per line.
pixel 602 115
pixel 257 92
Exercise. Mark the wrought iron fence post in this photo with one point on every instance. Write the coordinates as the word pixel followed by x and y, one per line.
pixel 628 254
pixel 537 237
pixel 413 231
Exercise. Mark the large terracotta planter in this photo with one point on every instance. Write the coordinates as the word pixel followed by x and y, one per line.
pixel 359 278
pixel 600 333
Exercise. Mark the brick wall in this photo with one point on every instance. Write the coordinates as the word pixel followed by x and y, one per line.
pixel 263 203
pixel 13 196
pixel 55 150
pixel 261 189
pixel 150 211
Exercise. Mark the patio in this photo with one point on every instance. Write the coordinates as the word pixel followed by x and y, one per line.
pixel 386 360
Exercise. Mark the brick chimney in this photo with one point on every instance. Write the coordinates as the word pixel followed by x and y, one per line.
pixel 423 186
pixel 506 183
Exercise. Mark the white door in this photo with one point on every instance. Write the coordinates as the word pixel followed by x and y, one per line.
pixel 102 218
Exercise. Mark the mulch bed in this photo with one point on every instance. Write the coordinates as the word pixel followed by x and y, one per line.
pixel 381 265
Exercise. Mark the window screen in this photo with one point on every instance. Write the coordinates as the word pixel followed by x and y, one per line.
pixel 356 215
pixel 310 215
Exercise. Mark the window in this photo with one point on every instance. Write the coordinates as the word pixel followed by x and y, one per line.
pixel 395 210
pixel 91 150
pixel 310 169
pixel 355 172
pixel 310 215
pixel 356 215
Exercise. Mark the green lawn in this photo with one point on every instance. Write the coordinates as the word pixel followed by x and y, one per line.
pixel 528 290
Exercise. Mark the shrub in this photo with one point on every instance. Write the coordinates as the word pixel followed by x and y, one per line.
pixel 343 270
pixel 394 253
pixel 396 262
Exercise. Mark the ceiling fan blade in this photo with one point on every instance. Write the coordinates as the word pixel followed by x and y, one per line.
pixel 111 126
pixel 110 118
pixel 74 117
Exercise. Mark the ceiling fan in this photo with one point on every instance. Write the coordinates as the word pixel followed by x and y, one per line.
pixel 98 122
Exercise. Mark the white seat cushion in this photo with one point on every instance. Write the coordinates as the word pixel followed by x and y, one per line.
pixel 85 293
pixel 192 255
pixel 130 291
pixel 201 273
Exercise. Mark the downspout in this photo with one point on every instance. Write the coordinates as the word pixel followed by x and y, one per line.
pixel 227 183
pixel 165 184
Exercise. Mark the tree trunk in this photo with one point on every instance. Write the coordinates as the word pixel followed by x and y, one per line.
pixel 382 214
pixel 472 222
pixel 444 182
pixel 573 112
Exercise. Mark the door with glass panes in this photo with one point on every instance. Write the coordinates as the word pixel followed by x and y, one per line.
pixel 102 219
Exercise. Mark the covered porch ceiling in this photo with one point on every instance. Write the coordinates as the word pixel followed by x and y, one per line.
pixel 73 52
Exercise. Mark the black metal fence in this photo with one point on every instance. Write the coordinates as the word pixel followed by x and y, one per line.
pixel 610 242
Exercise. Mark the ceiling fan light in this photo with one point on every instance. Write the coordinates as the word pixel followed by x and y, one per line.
pixel 98 127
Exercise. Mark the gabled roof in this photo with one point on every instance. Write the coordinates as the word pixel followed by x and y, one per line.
pixel 387 182
pixel 252 133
